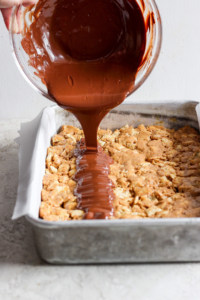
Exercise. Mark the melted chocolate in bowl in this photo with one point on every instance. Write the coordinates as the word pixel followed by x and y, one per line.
pixel 88 52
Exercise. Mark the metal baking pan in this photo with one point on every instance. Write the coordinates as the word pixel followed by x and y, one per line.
pixel 123 241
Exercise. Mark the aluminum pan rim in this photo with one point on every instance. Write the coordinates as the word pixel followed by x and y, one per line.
pixel 112 223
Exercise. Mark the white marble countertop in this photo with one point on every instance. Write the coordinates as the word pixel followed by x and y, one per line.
pixel 24 276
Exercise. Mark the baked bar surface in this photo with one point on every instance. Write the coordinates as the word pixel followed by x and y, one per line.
pixel 155 171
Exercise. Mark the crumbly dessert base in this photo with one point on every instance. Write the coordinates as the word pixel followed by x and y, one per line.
pixel 155 170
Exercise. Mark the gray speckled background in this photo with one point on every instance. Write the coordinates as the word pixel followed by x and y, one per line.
pixel 24 276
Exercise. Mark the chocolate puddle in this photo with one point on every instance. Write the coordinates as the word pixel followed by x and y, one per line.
pixel 88 52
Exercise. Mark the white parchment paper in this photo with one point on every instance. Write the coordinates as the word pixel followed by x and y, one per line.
pixel 198 113
pixel 35 138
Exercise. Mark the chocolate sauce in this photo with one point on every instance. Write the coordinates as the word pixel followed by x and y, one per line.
pixel 87 52
pixel 93 166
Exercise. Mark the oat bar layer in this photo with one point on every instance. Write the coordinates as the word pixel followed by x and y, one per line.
pixel 155 171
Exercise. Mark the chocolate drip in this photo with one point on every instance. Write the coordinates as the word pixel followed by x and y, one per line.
pixel 92 170
pixel 88 52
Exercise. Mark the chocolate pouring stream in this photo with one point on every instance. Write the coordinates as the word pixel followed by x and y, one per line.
pixel 87 53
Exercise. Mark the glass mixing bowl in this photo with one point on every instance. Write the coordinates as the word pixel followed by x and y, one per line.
pixel 153 44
